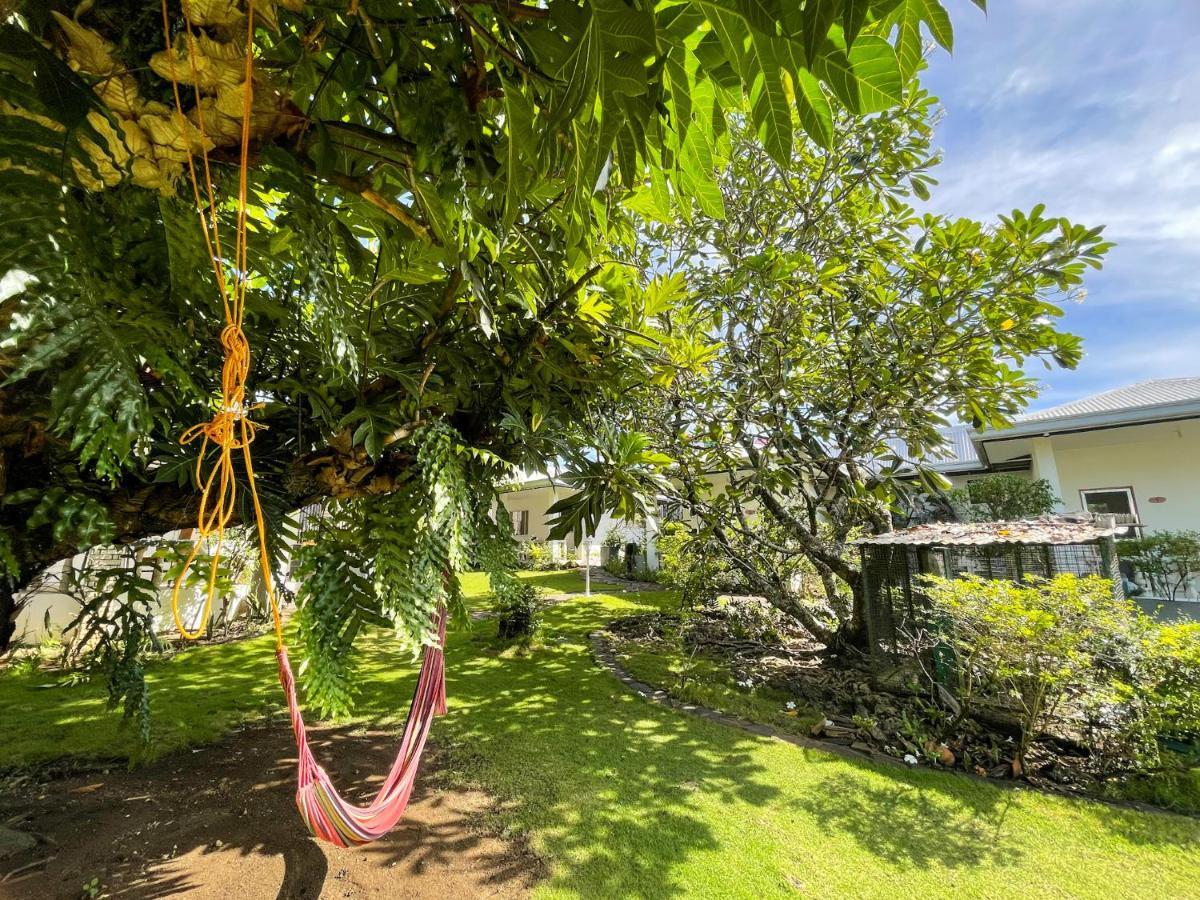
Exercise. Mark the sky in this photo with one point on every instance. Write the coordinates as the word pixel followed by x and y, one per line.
pixel 1091 107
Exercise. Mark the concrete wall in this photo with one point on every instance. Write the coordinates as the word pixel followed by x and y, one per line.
pixel 48 608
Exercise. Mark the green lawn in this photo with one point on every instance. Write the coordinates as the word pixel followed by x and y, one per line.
pixel 624 798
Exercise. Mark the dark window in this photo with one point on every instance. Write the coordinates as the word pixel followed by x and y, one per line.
pixel 520 521
pixel 1109 501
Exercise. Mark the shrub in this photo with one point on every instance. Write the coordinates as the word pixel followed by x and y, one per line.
pixel 1004 497
pixel 1167 559
pixel 1169 680
pixel 518 609
pixel 614 542
pixel 538 556
pixel 688 564
pixel 1037 642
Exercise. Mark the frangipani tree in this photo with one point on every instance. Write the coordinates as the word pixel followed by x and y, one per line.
pixel 843 329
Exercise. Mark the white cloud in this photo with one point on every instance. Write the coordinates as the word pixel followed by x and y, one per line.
pixel 1088 106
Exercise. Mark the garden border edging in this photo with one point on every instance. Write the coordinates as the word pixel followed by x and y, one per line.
pixel 603 654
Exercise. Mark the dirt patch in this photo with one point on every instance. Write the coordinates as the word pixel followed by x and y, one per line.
pixel 220 821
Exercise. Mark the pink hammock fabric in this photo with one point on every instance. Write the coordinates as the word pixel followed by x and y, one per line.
pixel 327 815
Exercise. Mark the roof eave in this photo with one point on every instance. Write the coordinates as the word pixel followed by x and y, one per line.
pixel 1144 415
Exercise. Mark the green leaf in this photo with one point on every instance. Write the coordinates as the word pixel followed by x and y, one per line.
pixel 878 73
pixel 816 116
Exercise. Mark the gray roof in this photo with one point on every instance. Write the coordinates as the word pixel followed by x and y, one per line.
pixel 1046 530
pixel 958 455
pixel 1144 394
pixel 1142 401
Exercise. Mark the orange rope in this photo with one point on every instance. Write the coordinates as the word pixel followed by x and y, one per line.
pixel 230 428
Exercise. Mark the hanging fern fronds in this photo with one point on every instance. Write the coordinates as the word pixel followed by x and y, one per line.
pixel 386 560
pixel 336 599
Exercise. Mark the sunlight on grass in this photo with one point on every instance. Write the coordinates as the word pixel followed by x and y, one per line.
pixel 710 683
pixel 623 798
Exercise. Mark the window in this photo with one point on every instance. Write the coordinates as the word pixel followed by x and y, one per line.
pixel 1117 502
pixel 520 521
pixel 669 510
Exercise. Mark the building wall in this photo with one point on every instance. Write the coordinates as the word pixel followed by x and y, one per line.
pixel 537 500
pixel 1155 460
pixel 47 609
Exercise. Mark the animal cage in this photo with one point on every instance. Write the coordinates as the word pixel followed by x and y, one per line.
pixel 892 564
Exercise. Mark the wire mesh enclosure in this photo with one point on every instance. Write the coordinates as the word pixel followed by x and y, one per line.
pixel 893 563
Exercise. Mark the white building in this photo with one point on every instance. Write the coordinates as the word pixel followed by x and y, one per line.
pixel 1133 451
pixel 528 503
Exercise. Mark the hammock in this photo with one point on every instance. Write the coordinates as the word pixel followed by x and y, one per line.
pixel 326 814
pixel 230 432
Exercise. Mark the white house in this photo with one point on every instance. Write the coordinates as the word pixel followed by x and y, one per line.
pixel 527 502
pixel 1133 451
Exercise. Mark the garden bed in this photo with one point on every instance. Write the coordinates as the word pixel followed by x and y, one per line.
pixel 719 658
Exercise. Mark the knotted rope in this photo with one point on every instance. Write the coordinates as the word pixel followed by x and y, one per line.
pixel 230 429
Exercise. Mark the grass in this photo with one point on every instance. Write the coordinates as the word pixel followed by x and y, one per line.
pixel 627 799
pixel 706 682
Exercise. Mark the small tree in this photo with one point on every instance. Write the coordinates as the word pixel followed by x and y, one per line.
pixel 1037 642
pixel 1004 497
pixel 1168 559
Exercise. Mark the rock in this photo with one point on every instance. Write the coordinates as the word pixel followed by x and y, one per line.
pixel 839 731
pixel 13 842
pixel 910 759
pixel 860 746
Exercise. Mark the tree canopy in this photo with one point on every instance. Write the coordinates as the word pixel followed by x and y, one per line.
pixel 843 330
pixel 441 227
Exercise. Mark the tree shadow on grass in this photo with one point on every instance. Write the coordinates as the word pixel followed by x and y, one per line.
pixel 921 818
pixel 605 781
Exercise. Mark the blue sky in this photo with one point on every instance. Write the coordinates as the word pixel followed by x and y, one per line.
pixel 1093 108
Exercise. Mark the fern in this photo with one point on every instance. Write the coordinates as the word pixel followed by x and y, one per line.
pixel 336 600
pixel 390 560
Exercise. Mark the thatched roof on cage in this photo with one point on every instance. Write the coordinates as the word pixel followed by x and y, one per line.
pixel 1046 530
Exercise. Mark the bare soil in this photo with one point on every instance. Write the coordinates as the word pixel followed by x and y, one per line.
pixel 220 822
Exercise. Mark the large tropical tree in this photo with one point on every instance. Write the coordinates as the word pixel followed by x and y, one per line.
pixel 842 330
pixel 439 199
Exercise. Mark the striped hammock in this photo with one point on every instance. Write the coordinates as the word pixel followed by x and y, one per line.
pixel 326 814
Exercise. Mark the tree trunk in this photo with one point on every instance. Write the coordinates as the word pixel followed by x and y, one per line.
pixel 852 633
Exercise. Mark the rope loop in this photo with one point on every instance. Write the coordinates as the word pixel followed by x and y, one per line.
pixel 230 429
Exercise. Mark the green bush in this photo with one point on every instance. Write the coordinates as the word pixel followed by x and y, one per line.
pixel 518 609
pixel 1034 644
pixel 538 556
pixel 1004 497
pixel 614 565
pixel 1169 680
pixel 689 565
